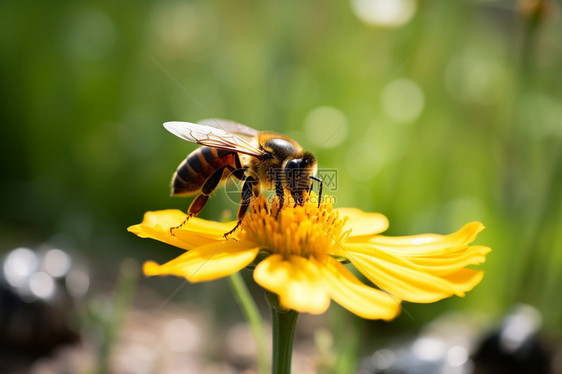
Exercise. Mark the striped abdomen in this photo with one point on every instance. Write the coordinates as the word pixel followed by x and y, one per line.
pixel 197 167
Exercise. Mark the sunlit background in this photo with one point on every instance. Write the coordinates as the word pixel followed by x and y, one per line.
pixel 432 113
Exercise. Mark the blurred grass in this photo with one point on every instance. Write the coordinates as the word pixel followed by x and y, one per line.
pixel 469 129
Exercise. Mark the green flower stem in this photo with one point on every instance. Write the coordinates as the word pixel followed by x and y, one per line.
pixel 283 325
pixel 251 312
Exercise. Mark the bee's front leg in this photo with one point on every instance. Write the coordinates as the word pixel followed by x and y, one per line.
pixel 249 190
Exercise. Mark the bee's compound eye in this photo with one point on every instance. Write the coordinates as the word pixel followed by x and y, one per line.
pixel 293 173
pixel 293 164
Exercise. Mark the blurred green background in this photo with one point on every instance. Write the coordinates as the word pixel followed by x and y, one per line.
pixel 446 112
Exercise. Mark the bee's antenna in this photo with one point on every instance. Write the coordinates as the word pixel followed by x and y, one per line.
pixel 319 188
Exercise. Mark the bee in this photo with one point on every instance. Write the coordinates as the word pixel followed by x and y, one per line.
pixel 261 159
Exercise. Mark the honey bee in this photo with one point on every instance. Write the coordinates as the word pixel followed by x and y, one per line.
pixel 261 159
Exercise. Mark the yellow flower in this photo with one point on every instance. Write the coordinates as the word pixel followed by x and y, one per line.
pixel 299 254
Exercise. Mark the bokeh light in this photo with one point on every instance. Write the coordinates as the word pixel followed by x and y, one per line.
pixel 384 13
pixel 403 101
pixel 19 265
pixel 41 285
pixel 56 263
pixel 325 120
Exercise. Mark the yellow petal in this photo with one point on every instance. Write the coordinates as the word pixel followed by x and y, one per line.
pixel 363 223
pixel 209 262
pixel 426 244
pixel 358 298
pixel 465 280
pixel 296 281
pixel 196 232
pixel 402 278
pixel 452 262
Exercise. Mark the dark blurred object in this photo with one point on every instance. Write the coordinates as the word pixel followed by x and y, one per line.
pixel 445 346
pixel 38 290
pixel 515 347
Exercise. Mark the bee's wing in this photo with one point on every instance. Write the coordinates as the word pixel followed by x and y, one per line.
pixel 230 126
pixel 212 137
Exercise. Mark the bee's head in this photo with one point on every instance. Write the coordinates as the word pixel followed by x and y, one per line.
pixel 298 172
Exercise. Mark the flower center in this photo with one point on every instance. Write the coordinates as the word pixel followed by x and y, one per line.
pixel 305 231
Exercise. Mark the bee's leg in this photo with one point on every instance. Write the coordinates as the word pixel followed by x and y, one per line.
pixel 199 203
pixel 256 189
pixel 280 193
pixel 239 171
pixel 248 190
pixel 319 188
pixel 298 197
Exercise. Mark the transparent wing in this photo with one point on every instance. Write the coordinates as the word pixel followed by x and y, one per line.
pixel 230 126
pixel 212 137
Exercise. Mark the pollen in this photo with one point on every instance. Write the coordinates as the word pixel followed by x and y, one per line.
pixel 307 231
